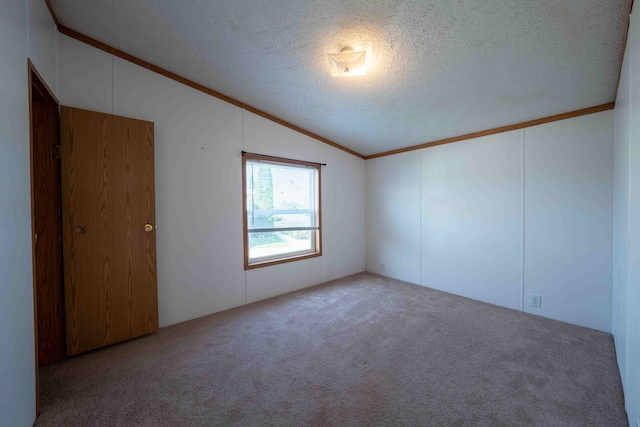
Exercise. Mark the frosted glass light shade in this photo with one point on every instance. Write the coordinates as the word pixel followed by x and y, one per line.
pixel 348 63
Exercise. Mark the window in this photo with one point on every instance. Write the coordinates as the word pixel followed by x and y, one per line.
pixel 282 210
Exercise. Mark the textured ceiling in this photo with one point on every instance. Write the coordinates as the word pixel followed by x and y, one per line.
pixel 436 68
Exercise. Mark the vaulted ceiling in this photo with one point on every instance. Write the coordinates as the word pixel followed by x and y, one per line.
pixel 435 68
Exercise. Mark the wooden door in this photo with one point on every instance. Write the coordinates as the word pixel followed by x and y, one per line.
pixel 108 208
pixel 47 228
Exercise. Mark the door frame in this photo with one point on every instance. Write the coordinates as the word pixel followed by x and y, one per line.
pixel 37 83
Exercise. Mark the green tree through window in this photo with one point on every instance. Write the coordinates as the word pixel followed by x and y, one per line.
pixel 263 190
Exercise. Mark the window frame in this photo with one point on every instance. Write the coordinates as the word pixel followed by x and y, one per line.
pixel 315 251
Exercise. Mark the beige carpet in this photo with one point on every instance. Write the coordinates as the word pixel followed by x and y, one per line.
pixel 360 351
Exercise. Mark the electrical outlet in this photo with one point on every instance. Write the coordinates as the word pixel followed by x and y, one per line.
pixel 535 300
pixel 381 267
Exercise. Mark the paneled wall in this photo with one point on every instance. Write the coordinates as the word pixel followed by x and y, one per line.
pixel 568 219
pixel 26 31
pixel 470 227
pixel 199 140
pixel 502 217
pixel 393 216
pixel 626 230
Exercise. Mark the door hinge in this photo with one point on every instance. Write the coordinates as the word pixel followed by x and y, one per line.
pixel 56 151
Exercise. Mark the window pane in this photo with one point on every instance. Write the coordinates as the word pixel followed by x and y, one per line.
pixel 279 195
pixel 272 244
pixel 277 219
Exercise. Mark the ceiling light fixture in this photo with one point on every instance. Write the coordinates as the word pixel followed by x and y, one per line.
pixel 348 63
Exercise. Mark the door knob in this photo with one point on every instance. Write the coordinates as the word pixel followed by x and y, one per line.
pixel 148 227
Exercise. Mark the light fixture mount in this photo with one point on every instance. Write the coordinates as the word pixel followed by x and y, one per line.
pixel 348 63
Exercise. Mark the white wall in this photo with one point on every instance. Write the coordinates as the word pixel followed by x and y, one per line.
pixel 568 217
pixel 198 144
pixel 501 217
pixel 633 272
pixel 393 216
pixel 471 218
pixel 26 30
pixel 43 46
pixel 620 218
pixel 626 225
